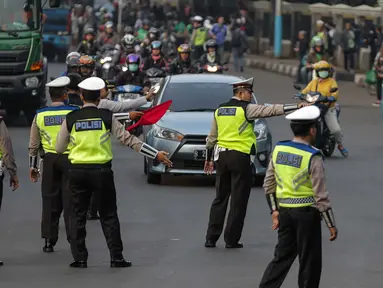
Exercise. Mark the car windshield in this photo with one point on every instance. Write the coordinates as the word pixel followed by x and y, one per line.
pixel 197 96
pixel 19 15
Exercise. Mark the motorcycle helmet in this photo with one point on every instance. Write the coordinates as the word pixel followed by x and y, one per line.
pixel 73 65
pixel 146 24
pixel 133 62
pixel 128 41
pixel 89 34
pixel 87 65
pixel 318 44
pixel 322 69
pixel 153 34
pixel 184 51
pixel 211 47
pixel 128 30
pixel 72 55
pixel 156 47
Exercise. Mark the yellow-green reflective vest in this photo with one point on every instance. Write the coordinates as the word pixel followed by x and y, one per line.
pixel 200 36
pixel 49 120
pixel 235 132
pixel 90 137
pixel 292 173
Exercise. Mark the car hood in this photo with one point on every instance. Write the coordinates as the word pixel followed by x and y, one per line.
pixel 190 123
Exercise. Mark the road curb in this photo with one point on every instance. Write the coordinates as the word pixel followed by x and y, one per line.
pixel 292 70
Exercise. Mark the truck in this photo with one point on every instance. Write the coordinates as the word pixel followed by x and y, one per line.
pixel 23 69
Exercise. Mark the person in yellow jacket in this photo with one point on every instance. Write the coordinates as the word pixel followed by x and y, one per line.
pixel 54 184
pixel 297 197
pixel 233 139
pixel 199 37
pixel 323 84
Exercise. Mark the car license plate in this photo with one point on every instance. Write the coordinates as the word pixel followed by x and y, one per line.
pixel 199 154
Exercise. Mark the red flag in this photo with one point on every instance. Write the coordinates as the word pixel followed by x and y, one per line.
pixel 152 115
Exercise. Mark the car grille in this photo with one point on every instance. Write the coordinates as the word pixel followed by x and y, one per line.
pixel 13 62
pixel 195 139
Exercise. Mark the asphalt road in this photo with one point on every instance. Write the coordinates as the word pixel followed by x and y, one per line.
pixel 164 226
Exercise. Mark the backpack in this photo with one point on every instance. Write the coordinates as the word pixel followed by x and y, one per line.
pixel 236 38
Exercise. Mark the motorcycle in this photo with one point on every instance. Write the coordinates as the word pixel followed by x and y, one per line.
pixel 123 94
pixel 107 61
pixel 155 75
pixel 214 68
pixel 324 140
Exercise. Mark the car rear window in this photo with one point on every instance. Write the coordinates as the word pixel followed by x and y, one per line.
pixel 196 96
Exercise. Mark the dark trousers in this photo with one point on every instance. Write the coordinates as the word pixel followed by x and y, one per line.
pixel 234 178
pixel 83 183
pixel 299 234
pixel 1 189
pixel 55 196
pixel 92 210
pixel 349 58
pixel 197 53
pixel 379 82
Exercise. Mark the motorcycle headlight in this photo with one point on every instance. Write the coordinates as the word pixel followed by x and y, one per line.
pixel 212 68
pixel 311 99
pixel 106 59
pixel 106 66
pixel 167 134
pixel 260 131
pixel 124 97
pixel 124 68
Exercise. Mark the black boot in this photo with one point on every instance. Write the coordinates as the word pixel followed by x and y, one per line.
pixel 78 264
pixel 48 247
pixel 120 263
pixel 1 263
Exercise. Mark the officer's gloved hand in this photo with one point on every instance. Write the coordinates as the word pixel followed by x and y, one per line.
pixel 331 99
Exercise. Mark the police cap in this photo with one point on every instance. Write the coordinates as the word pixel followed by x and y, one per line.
pixel 92 84
pixel 59 82
pixel 306 114
pixel 247 84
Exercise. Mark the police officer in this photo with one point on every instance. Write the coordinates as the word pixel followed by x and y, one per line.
pixel 88 130
pixel 233 132
pixel 54 184
pixel 7 161
pixel 296 193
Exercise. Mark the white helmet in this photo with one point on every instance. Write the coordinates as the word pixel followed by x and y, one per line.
pixel 72 55
pixel 128 41
pixel 197 19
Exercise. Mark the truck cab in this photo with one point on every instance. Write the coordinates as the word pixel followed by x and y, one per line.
pixel 23 69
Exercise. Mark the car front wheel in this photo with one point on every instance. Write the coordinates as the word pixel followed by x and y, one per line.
pixel 152 178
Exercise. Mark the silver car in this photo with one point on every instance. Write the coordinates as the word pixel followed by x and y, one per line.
pixel 183 129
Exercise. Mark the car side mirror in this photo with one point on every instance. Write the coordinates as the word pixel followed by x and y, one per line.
pixel 333 90
pixel 297 87
pixel 54 3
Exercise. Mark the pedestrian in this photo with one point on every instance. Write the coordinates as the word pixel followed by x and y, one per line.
pixel 239 45
pixel 88 130
pixel 232 132
pixel 219 33
pixel 349 48
pixel 54 183
pixel 302 49
pixel 378 67
pixel 296 193
pixel 7 161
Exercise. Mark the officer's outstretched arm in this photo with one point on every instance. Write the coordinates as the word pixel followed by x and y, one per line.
pixel 255 111
pixel 118 130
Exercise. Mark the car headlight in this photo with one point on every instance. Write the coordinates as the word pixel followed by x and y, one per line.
pixel 124 97
pixel 106 59
pixel 106 66
pixel 32 82
pixel 212 68
pixel 260 130
pixel 167 134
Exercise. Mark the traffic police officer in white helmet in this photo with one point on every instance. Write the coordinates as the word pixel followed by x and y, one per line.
pixel 88 131
pixel 296 193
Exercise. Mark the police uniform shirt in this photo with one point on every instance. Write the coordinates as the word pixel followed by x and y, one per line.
pixel 117 130
pixel 119 107
pixel 8 156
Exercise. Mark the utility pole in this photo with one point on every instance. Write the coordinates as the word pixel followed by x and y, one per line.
pixel 278 29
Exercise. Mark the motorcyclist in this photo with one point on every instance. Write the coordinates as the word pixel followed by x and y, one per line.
pixel 156 59
pixel 73 90
pixel 145 49
pixel 211 55
pixel 316 54
pixel 143 32
pixel 88 46
pixel 72 62
pixel 87 65
pixel 323 84
pixel 108 36
pixel 182 64
pixel 168 44
pixel 127 43
pixel 133 75
pixel 128 30
pixel 154 34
